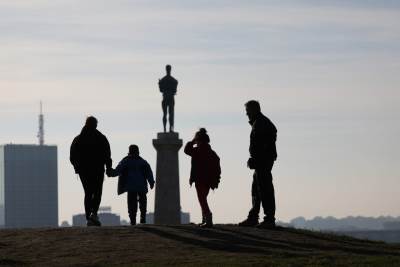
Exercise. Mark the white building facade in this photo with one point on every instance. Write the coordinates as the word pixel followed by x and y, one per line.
pixel 28 186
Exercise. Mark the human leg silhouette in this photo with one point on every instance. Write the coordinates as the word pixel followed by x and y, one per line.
pixel 202 193
pixel 132 206
pixel 266 193
pixel 93 186
pixel 252 218
pixel 142 206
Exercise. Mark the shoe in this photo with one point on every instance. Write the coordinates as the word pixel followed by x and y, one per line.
pixel 208 222
pixel 203 221
pixel 143 220
pixel 94 219
pixel 133 220
pixel 90 223
pixel 266 225
pixel 248 223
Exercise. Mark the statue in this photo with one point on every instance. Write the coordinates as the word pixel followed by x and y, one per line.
pixel 168 85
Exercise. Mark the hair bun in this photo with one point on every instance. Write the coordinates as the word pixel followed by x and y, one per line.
pixel 203 131
pixel 202 135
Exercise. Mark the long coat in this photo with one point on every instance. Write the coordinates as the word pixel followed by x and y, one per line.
pixel 134 174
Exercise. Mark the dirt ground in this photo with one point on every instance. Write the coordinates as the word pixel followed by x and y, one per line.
pixel 188 245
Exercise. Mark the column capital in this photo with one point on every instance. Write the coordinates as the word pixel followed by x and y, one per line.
pixel 167 139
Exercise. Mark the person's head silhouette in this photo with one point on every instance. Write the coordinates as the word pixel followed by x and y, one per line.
pixel 91 123
pixel 202 137
pixel 252 109
pixel 168 69
pixel 133 150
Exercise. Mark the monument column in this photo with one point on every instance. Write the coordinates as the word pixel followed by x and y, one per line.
pixel 167 208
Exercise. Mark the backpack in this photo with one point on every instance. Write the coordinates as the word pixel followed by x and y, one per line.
pixel 215 170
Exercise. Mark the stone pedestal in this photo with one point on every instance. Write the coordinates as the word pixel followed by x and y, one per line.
pixel 167 208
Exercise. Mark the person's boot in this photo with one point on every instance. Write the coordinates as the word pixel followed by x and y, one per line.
pixel 133 220
pixel 203 220
pixel 249 222
pixel 266 225
pixel 90 223
pixel 209 221
pixel 94 220
pixel 142 218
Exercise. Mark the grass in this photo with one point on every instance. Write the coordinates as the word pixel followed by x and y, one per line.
pixel 188 245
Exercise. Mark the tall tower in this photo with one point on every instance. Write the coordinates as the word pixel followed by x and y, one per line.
pixel 41 126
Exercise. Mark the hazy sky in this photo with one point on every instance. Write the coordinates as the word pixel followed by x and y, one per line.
pixel 327 73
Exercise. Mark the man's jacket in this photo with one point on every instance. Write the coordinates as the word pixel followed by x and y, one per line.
pixel 262 140
pixel 90 151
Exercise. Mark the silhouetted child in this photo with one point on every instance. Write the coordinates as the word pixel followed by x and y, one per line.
pixel 134 173
pixel 205 172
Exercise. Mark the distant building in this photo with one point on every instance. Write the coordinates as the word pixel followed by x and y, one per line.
pixel 185 218
pixel 105 216
pixel 28 186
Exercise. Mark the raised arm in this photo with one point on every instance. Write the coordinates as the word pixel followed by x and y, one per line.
pixel 189 149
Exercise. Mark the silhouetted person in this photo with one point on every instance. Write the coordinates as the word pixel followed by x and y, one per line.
pixel 205 172
pixel 90 151
pixel 134 174
pixel 262 157
pixel 168 86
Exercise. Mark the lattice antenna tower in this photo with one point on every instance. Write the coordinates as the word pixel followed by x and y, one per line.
pixel 41 126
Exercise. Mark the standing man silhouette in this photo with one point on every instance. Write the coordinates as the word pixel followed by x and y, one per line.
pixel 168 85
pixel 90 151
pixel 262 157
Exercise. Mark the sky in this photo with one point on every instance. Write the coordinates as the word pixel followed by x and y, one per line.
pixel 327 73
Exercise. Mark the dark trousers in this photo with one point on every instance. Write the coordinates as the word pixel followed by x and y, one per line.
pixel 133 198
pixel 263 192
pixel 202 193
pixel 93 187
pixel 168 105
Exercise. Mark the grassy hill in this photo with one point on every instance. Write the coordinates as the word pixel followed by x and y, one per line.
pixel 184 245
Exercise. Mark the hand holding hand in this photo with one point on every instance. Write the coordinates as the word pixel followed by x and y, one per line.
pixel 109 172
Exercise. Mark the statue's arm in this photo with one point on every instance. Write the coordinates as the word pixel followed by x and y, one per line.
pixel 160 86
pixel 176 87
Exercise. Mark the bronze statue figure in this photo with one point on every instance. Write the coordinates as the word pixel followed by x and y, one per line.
pixel 168 85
